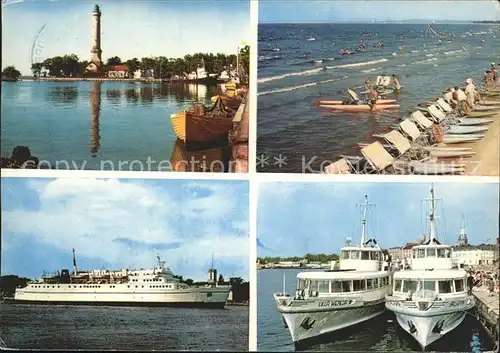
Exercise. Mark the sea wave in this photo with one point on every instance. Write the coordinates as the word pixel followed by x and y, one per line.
pixel 291 74
pixel 371 70
pixel 362 63
pixel 293 88
pixel 425 61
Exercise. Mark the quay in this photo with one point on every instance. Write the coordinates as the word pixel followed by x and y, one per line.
pixel 238 137
pixel 486 312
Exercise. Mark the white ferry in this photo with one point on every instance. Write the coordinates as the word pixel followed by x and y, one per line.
pixel 330 300
pixel 144 287
pixel 430 299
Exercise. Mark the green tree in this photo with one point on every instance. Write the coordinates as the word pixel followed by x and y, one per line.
pixel 244 64
pixel 36 68
pixel 11 73
pixel 221 279
pixel 133 65
pixel 115 60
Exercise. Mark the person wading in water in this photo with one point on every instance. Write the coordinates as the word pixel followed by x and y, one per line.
pixel 373 97
pixel 395 83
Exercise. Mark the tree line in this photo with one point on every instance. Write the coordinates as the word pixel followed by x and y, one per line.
pixel 162 67
pixel 322 258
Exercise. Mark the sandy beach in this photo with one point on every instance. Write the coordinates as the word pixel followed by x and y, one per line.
pixel 486 160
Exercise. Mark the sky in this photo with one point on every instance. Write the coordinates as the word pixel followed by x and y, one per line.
pixel 129 28
pixel 280 11
pixel 299 218
pixel 117 223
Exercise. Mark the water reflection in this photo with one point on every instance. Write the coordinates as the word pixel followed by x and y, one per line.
pixel 95 109
pixel 216 159
pixel 62 94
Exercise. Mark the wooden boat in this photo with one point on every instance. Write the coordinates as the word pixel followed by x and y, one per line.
pixel 475 114
pixel 449 152
pixel 450 139
pixel 438 169
pixel 360 107
pixel 459 130
pixel 200 125
pixel 474 121
pixel 380 101
pixel 483 108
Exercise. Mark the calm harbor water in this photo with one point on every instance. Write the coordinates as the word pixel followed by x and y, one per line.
pixel 77 327
pixel 379 334
pixel 96 125
pixel 291 80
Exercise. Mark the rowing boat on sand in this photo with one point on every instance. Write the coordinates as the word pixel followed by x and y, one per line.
pixel 475 114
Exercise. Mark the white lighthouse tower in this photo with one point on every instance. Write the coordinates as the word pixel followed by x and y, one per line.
pixel 95 52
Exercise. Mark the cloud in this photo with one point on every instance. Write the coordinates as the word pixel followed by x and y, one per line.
pixel 121 222
pixel 296 218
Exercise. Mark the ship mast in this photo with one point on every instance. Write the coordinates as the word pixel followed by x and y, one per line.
pixel 432 217
pixel 75 269
pixel 363 223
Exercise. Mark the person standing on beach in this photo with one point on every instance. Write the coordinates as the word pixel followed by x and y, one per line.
pixel 470 91
pixel 368 84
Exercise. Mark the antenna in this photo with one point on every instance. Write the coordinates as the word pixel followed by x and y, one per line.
pixel 363 222
pixel 212 262
pixel 432 217
pixel 75 269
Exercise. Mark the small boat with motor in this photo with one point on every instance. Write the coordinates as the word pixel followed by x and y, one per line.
pixel 356 105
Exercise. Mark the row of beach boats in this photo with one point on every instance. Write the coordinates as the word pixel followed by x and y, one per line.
pixel 429 298
pixel 411 146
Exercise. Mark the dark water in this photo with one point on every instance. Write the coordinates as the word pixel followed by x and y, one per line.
pixel 76 327
pixel 96 125
pixel 289 123
pixel 379 334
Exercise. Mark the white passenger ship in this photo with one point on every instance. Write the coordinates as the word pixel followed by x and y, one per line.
pixel 330 300
pixel 430 299
pixel 150 287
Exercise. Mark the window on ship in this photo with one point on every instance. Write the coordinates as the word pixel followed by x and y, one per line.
pixel 409 285
pixel 336 287
pixel 444 287
pixel 459 285
pixel 369 284
pixel 358 285
pixel 431 252
pixel 365 255
pixel 324 286
pixel 397 285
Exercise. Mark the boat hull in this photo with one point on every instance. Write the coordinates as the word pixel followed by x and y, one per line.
pixel 455 139
pixel 457 129
pixel 302 325
pixel 123 295
pixel 424 326
pixel 199 305
pixel 361 107
pixel 380 101
pixel 474 121
pixel 480 114
pixel 483 108
pixel 193 129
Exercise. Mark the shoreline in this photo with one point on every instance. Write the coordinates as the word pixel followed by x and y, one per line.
pixel 132 80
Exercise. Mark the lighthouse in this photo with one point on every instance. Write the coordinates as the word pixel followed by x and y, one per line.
pixel 95 52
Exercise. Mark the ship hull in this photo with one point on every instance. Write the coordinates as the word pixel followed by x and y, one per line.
pixel 325 322
pixel 121 295
pixel 424 326
pixel 194 305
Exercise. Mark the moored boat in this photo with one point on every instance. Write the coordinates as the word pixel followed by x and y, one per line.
pixel 476 114
pixel 202 126
pixel 126 287
pixel 430 299
pixel 462 130
pixel 327 301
